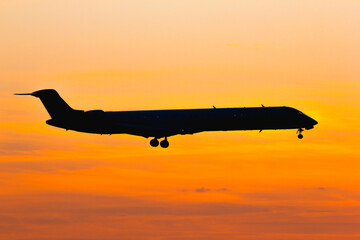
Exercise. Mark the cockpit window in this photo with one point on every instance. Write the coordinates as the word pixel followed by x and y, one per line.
pixel 301 113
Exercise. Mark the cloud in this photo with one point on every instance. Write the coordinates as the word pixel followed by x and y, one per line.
pixel 64 207
pixel 306 194
pixel 63 212
pixel 222 190
pixel 202 189
pixel 49 166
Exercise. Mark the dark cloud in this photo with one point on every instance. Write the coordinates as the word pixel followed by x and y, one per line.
pixel 222 190
pixel 202 189
pixel 321 188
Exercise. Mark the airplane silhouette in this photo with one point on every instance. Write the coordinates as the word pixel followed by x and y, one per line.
pixel 159 124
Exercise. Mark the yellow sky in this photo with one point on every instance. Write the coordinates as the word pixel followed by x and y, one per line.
pixel 153 54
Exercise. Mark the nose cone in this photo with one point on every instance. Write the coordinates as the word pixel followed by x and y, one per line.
pixel 311 121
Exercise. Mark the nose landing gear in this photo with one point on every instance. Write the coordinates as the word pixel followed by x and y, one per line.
pixel 299 131
pixel 155 142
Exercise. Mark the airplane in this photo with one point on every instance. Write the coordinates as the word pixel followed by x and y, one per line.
pixel 158 124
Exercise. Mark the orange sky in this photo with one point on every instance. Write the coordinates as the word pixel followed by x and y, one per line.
pixel 152 54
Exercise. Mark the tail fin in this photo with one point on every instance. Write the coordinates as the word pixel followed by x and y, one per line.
pixel 54 104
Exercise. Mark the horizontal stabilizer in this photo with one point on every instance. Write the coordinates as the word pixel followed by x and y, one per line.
pixel 31 94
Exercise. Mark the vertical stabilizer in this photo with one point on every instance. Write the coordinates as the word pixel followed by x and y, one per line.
pixel 54 104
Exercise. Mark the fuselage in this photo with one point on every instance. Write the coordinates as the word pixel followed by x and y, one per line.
pixel 162 123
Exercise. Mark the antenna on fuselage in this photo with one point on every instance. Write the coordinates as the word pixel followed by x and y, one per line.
pixel 214 107
pixel 262 105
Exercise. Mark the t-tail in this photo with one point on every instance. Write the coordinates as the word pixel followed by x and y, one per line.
pixel 54 104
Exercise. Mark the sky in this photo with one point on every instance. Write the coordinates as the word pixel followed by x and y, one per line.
pixel 165 54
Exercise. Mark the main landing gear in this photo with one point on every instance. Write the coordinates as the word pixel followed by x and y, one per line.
pixel 299 131
pixel 164 143
pixel 154 142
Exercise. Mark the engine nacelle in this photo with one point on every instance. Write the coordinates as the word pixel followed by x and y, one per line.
pixel 95 113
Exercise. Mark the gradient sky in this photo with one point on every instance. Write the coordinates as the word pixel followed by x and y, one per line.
pixel 157 54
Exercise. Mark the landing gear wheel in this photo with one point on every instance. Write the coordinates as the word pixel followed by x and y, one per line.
pixel 164 143
pixel 299 131
pixel 154 142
